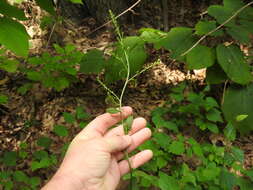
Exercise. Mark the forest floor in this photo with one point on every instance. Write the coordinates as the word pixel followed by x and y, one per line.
pixel 26 118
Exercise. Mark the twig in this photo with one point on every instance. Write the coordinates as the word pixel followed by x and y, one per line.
pixel 219 27
pixel 51 34
pixel 224 92
pixel 116 17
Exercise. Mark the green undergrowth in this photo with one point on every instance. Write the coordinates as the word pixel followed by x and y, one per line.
pixel 24 169
pixel 185 155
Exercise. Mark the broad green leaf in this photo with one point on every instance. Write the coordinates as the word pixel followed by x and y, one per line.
pixel 34 181
pixel 233 5
pixel 232 60
pixel 9 65
pixel 208 173
pixel 203 27
pixel 92 62
pixel 44 142
pixel 162 140
pixel 177 147
pixel 227 180
pixel 239 33
pixel 210 103
pixel 178 41
pixel 81 114
pixel 11 11
pixel 221 14
pixel 151 35
pixel 13 36
pixel 238 154
pixel 60 130
pixel 34 75
pixel 20 176
pixel 61 83
pixel 127 125
pixel 212 127
pixel 116 66
pixel 10 158
pixel 200 57
pixel 245 184
pixel 241 117
pixel 214 115
pixel 112 110
pixel 47 5
pixel 3 99
pixel 69 118
pixel 238 101
pixel 230 132
pixel 167 182
pixel 77 1
pixel 215 74
pixel 249 173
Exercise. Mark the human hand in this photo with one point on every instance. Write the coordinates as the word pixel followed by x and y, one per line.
pixel 94 158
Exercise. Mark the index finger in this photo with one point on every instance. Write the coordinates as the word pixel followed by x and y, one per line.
pixel 99 126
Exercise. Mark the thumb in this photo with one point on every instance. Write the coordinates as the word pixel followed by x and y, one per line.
pixel 118 143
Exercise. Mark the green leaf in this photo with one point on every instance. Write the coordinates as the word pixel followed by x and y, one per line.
pixel 249 173
pixel 177 147
pixel 212 127
pixel 77 1
pixel 232 60
pixel 151 35
pixel 60 130
pixel 9 65
pixel 112 110
pixel 44 142
pixel 210 103
pixel 34 181
pixel 215 74
pixel 13 36
pixel 11 11
pixel 69 118
pixel 81 114
pixel 92 62
pixel 34 75
pixel 167 182
pixel 3 99
pixel 214 115
pixel 245 184
pixel 194 59
pixel 116 66
pixel 241 117
pixel 230 132
pixel 163 140
pixel 221 14
pixel 227 180
pixel 127 125
pixel 10 158
pixel 20 176
pixel 239 33
pixel 237 154
pixel 178 41
pixel 47 5
pixel 238 101
pixel 203 27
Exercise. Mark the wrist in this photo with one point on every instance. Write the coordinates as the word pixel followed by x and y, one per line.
pixel 62 181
